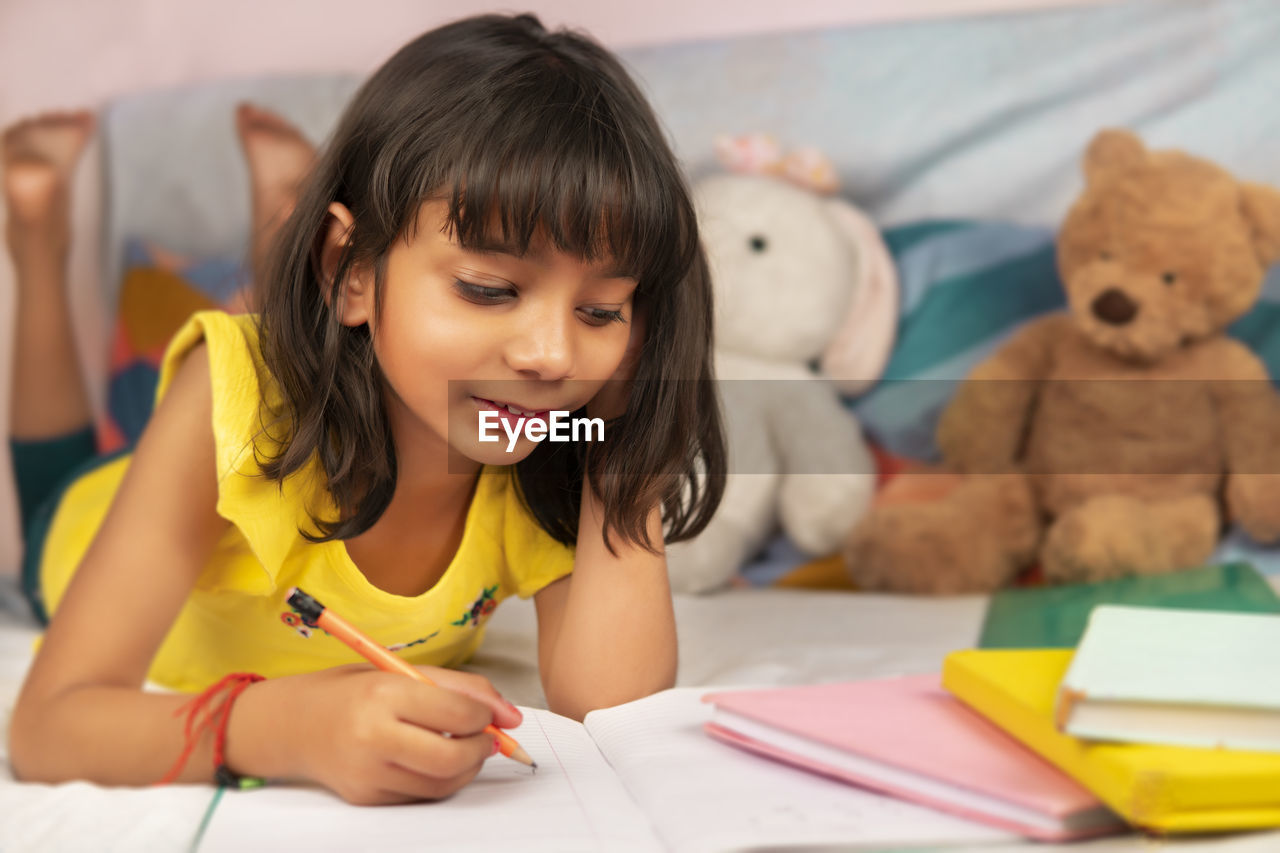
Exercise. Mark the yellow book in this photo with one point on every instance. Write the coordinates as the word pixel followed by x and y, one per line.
pixel 1163 788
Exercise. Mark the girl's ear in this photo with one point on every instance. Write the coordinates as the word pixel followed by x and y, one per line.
pixel 355 306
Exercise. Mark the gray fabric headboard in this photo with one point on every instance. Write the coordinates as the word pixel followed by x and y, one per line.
pixel 979 117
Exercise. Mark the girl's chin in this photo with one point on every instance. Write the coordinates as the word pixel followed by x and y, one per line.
pixel 496 453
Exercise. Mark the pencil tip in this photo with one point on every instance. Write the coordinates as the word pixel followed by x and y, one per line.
pixel 523 757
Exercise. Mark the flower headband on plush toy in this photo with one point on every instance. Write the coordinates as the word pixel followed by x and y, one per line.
pixel 859 352
pixel 760 154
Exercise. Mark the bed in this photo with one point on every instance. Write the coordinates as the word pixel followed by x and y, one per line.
pixel 976 121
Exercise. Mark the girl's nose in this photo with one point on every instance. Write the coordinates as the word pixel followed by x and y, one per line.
pixel 541 348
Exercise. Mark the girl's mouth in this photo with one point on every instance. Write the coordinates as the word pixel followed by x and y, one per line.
pixel 510 412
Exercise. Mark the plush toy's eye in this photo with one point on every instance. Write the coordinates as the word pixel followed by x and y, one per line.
pixel 758 243
pixel 1169 277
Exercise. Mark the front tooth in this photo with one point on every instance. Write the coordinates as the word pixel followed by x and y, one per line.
pixel 513 410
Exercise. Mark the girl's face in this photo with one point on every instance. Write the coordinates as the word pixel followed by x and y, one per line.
pixel 461 332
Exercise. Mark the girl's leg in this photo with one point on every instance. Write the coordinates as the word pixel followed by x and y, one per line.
pixel 50 418
pixel 38 157
pixel 279 158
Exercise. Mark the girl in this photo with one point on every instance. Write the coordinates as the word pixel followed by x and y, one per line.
pixel 497 225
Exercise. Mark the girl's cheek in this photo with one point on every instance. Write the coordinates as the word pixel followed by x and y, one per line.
pixel 607 357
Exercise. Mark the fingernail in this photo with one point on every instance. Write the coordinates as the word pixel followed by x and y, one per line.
pixel 513 709
pixel 496 747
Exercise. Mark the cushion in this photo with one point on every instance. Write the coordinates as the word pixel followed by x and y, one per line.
pixel 158 292
pixel 966 287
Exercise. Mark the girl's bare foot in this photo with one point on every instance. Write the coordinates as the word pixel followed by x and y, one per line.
pixel 279 158
pixel 37 157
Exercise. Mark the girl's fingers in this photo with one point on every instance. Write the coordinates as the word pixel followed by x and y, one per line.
pixel 477 687
pixel 433 756
pixel 394 785
pixel 436 708
pixel 405 786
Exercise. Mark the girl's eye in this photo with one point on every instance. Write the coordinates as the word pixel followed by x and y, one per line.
pixel 1105 255
pixel 1169 277
pixel 482 295
pixel 602 317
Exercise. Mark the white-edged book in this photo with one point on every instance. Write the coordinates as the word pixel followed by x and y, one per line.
pixel 1178 677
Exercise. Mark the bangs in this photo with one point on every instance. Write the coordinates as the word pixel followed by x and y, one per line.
pixel 563 167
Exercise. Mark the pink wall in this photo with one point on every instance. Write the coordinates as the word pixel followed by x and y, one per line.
pixel 71 52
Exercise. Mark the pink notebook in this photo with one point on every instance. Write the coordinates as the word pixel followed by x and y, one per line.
pixel 910 738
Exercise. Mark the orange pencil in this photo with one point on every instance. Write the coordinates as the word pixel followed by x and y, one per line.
pixel 381 657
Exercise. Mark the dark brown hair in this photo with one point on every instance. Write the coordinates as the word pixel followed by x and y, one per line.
pixel 533 132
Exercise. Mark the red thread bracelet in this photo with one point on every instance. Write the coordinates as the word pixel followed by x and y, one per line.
pixel 216 717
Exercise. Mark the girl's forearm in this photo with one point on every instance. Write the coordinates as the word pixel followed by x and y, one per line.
pixel 122 736
pixel 617 637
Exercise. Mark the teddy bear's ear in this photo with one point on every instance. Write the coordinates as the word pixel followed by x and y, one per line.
pixel 1112 152
pixel 858 353
pixel 1262 210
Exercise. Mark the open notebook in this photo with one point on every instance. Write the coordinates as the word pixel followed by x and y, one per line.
pixel 640 777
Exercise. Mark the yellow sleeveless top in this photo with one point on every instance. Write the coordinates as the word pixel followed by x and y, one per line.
pixel 236 618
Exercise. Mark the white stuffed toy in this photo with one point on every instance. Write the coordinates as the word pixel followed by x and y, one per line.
pixel 802 279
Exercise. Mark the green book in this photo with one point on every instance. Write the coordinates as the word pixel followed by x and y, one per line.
pixel 1055 617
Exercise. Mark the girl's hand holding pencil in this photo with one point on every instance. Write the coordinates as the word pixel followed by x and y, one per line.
pixel 369 733
pixel 378 738
pixel 375 736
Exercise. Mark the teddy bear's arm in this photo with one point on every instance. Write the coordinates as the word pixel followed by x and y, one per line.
pixel 1248 415
pixel 1246 406
pixel 983 428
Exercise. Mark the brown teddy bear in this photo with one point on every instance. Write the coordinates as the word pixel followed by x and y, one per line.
pixel 1118 436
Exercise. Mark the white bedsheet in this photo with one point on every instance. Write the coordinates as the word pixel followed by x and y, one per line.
pixel 754 636
pixel 978 118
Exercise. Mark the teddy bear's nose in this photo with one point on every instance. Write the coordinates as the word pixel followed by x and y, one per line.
pixel 1113 307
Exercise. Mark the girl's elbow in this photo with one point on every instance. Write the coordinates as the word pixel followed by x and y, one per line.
pixel 38 740
pixel 576 701
pixel 26 766
pixel 566 708
pixel 26 752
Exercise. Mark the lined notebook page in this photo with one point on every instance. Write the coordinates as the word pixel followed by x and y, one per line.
pixel 574 802
pixel 703 795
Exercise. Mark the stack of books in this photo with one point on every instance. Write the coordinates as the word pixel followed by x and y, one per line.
pixel 1170 717
pixel 1164 718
